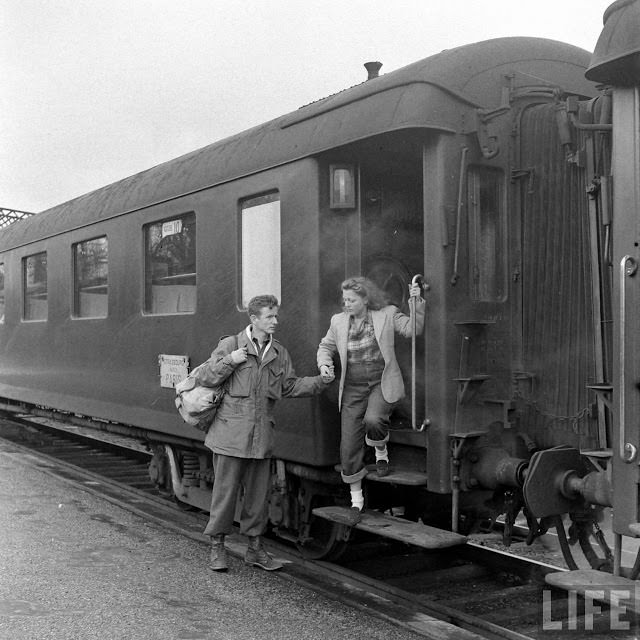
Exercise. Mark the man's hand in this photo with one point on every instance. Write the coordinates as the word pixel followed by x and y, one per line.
pixel 239 355
pixel 327 373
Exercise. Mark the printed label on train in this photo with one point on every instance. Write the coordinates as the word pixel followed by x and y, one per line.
pixel 173 369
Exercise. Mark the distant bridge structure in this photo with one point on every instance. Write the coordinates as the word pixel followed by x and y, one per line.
pixel 9 216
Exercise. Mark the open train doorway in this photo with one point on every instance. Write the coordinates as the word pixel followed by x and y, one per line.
pixel 381 236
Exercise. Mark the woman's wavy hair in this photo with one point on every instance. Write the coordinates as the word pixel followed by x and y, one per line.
pixel 366 288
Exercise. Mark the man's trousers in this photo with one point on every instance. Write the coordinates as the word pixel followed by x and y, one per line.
pixel 231 475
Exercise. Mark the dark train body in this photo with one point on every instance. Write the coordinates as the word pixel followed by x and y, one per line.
pixel 485 168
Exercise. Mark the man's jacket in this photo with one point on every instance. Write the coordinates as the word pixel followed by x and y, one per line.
pixel 244 424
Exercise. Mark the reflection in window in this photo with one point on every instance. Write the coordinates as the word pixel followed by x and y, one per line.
pixel 260 230
pixel 170 265
pixel 34 278
pixel 91 270
pixel 487 234
pixel 1 292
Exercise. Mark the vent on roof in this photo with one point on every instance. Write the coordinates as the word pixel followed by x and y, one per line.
pixel 373 69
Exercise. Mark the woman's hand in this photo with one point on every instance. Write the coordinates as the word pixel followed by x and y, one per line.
pixel 415 291
pixel 326 371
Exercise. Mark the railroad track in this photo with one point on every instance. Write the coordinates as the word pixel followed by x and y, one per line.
pixel 482 592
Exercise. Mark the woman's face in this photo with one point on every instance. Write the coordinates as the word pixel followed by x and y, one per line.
pixel 354 305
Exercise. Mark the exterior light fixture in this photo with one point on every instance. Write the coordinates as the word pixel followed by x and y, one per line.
pixel 342 189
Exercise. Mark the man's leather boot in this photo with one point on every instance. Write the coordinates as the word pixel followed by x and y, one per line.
pixel 218 558
pixel 257 556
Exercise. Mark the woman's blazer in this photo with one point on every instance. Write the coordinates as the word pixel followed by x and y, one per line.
pixel 386 323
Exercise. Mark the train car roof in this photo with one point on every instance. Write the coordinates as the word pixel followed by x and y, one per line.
pixel 472 74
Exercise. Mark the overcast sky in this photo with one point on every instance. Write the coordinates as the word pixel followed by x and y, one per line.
pixel 95 91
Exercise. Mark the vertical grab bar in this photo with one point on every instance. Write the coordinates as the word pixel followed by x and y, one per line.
pixel 626 450
pixel 461 177
pixel 417 279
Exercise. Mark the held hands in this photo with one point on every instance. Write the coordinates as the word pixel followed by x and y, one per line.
pixel 239 355
pixel 326 371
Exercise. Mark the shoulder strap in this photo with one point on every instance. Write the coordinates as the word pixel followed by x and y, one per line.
pixel 235 337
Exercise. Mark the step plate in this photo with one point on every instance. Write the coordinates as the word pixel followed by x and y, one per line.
pixel 420 535
pixel 397 476
pixel 600 586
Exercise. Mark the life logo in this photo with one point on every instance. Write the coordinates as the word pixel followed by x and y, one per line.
pixel 596 608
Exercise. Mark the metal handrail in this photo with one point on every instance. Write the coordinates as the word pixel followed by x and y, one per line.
pixel 417 279
pixel 626 450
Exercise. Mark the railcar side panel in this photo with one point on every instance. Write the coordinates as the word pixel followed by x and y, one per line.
pixel 108 367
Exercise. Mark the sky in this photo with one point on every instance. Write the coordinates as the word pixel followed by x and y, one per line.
pixel 93 92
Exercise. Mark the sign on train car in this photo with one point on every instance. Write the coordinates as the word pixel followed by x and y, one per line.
pixel 173 369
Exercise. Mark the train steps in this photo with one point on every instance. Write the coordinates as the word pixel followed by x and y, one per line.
pixel 597 585
pixel 397 476
pixel 414 533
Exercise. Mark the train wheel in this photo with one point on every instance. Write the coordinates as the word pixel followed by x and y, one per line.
pixel 325 540
pixel 584 533
pixel 160 471
pixel 163 471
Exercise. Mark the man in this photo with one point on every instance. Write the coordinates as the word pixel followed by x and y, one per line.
pixel 258 371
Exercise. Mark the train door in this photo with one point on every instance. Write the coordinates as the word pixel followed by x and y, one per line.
pixel 558 356
pixel 392 238
pixel 381 235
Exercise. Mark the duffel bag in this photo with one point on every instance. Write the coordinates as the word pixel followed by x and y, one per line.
pixel 197 404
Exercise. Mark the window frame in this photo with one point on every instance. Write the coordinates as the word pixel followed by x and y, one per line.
pixel 24 278
pixel 75 303
pixel 263 198
pixel 477 182
pixel 147 281
pixel 3 300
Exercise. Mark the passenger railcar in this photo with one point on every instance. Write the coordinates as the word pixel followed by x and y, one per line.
pixel 566 479
pixel 484 168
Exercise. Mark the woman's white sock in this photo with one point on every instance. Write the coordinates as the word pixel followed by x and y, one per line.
pixel 382 454
pixel 357 499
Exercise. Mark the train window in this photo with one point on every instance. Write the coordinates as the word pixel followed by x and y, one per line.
pixel 487 234
pixel 90 278
pixel 260 246
pixel 170 265
pixel 34 278
pixel 1 292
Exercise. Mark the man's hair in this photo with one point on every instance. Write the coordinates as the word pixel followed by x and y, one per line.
pixel 259 302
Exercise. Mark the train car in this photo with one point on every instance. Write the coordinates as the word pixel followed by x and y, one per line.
pixel 566 482
pixel 483 169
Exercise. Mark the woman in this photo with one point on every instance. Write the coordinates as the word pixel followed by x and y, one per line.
pixel 370 380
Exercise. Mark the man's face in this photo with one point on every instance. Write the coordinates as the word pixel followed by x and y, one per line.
pixel 267 321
